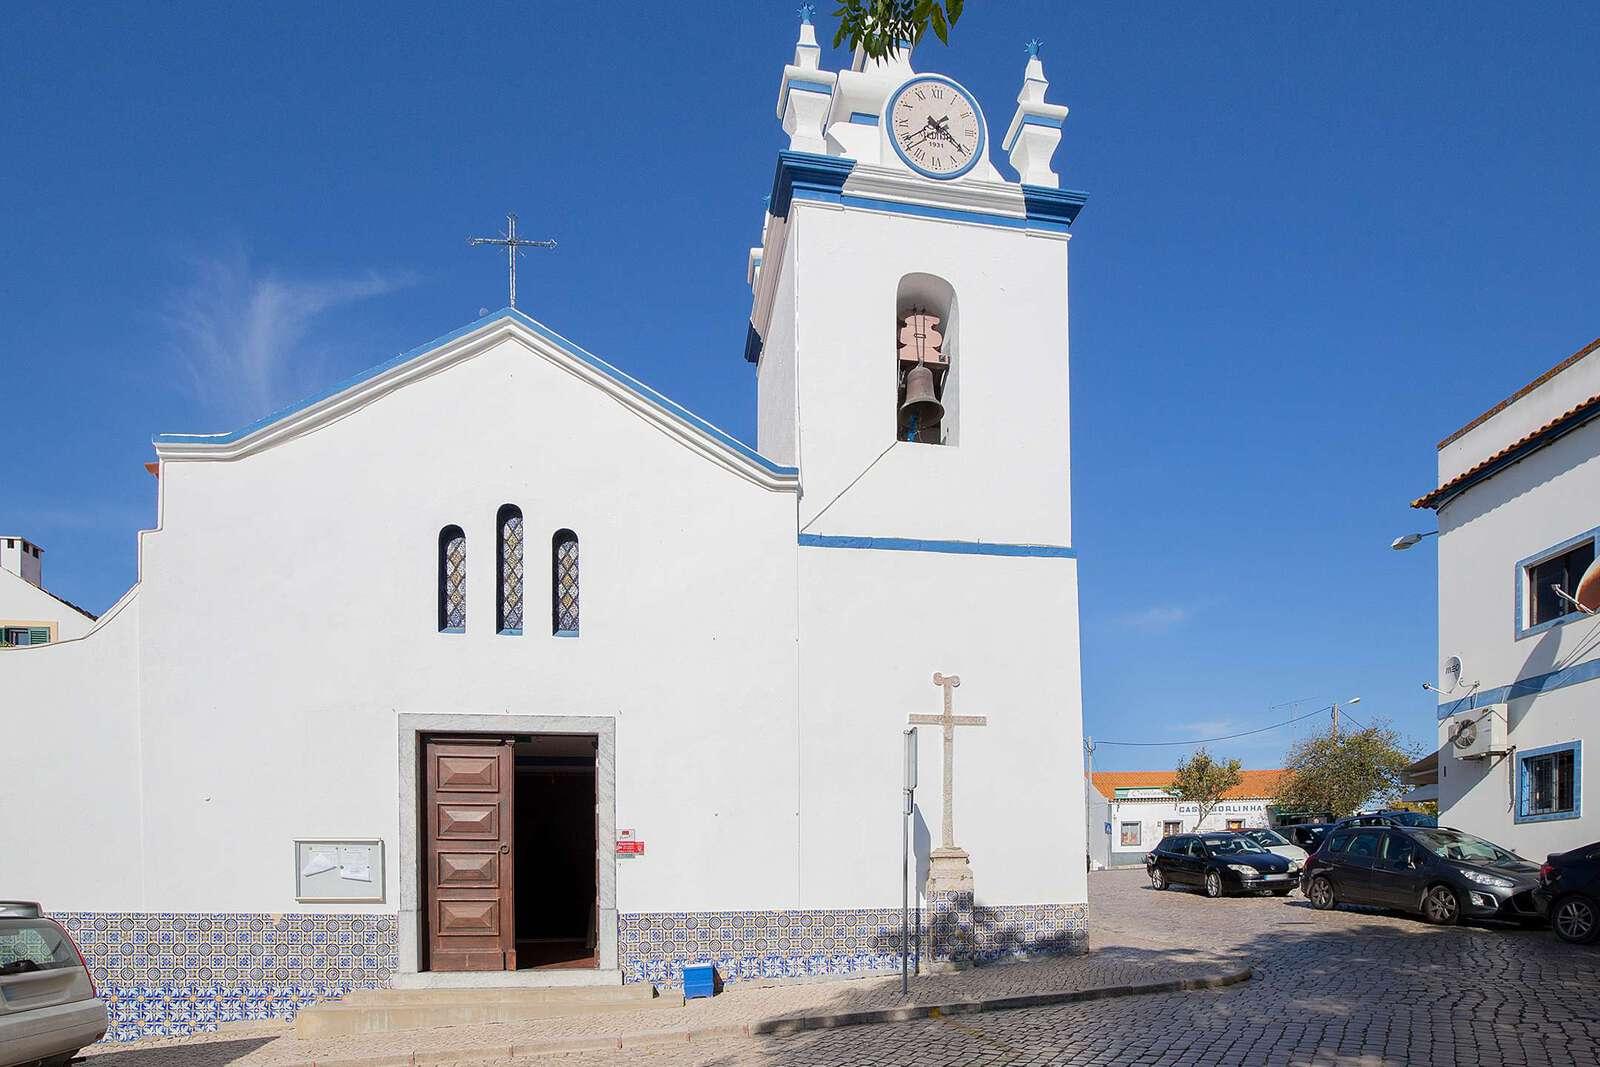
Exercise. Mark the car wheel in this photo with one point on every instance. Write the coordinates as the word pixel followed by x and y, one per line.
pixel 1576 919
pixel 1213 884
pixel 1441 906
pixel 1158 878
pixel 1321 894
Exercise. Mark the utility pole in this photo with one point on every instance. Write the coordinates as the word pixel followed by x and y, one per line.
pixel 1333 732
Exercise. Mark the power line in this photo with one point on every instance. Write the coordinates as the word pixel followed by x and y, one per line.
pixel 1210 740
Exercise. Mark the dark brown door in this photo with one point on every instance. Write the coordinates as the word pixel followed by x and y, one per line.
pixel 471 909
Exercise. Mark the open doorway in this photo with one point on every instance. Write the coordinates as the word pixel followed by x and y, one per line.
pixel 510 874
pixel 556 876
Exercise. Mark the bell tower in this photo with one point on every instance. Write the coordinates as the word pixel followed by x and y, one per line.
pixel 909 315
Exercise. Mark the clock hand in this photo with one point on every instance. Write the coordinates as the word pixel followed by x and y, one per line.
pixel 943 126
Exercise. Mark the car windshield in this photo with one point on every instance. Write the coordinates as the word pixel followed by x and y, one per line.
pixel 33 945
pixel 1222 846
pixel 1267 838
pixel 1455 845
pixel 1416 818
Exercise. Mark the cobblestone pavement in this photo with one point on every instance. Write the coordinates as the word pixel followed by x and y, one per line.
pixel 1343 988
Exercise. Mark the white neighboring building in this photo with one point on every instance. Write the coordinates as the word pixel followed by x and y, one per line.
pixel 359 721
pixel 29 613
pixel 1140 812
pixel 1518 505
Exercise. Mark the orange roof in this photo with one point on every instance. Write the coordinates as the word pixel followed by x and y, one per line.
pixel 1252 784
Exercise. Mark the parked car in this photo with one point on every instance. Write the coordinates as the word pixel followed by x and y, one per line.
pixel 1569 893
pixel 1307 835
pixel 1389 817
pixel 1439 873
pixel 1219 864
pixel 1274 842
pixel 48 1006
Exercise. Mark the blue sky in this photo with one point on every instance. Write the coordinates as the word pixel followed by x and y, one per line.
pixel 1318 239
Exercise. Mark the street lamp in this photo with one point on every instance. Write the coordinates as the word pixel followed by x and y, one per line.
pixel 1400 544
pixel 1334 733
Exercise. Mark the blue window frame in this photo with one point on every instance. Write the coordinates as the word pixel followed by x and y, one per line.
pixel 508 602
pixel 1550 783
pixel 452 580
pixel 1538 608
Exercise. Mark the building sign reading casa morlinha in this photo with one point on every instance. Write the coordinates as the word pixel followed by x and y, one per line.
pixel 1243 807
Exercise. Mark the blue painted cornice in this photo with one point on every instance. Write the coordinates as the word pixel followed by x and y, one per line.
pixel 818 177
pixel 1053 207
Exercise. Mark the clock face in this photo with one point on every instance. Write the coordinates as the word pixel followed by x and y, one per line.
pixel 935 127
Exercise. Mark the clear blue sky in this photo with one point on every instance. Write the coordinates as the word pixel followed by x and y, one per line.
pixel 1318 239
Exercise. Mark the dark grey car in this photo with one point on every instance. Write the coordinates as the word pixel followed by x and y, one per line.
pixel 48 1006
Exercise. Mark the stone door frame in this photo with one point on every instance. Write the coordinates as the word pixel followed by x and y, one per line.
pixel 412 727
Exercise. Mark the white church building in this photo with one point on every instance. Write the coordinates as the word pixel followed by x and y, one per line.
pixel 493 664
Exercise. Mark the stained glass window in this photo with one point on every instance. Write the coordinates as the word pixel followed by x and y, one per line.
pixel 510 598
pixel 452 580
pixel 565 585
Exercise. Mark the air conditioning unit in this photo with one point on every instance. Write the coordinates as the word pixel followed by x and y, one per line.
pixel 1476 734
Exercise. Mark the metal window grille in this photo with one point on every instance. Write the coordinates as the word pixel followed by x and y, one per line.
pixel 565 584
pixel 1547 784
pixel 511 569
pixel 452 579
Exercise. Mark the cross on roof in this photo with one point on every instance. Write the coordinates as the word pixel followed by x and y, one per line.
pixel 513 246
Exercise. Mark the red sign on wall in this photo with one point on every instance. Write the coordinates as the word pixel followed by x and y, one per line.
pixel 630 848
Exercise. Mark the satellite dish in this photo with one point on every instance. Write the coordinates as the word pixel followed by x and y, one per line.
pixel 1589 588
pixel 1450 671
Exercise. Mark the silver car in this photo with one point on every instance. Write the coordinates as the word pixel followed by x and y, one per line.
pixel 48 1006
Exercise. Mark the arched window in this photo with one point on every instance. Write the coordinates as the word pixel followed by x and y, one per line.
pixel 925 360
pixel 508 602
pixel 452 580
pixel 564 587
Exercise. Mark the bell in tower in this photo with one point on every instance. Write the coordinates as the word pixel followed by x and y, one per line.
pixel 920 344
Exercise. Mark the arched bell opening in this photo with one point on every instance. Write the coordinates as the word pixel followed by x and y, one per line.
pixel 926 347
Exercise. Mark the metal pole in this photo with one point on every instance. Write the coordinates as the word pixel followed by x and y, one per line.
pixel 1334 733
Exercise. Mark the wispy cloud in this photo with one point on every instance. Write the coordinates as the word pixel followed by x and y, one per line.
pixel 1156 619
pixel 242 333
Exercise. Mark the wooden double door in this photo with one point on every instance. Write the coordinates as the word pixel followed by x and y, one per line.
pixel 470 830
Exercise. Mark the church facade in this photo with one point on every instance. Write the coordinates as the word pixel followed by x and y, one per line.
pixel 494 665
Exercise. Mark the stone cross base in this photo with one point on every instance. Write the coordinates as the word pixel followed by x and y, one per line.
pixel 950 911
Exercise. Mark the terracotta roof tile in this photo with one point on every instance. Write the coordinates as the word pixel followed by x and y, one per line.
pixel 1524 391
pixel 1428 500
pixel 1252 784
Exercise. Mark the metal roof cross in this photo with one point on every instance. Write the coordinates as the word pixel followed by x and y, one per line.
pixel 513 245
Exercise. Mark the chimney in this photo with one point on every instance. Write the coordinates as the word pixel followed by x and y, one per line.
pixel 22 558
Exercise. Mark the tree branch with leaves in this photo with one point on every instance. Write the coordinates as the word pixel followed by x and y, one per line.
pixel 1201 780
pixel 878 26
pixel 1340 774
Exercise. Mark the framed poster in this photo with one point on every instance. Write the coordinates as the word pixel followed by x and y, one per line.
pixel 331 871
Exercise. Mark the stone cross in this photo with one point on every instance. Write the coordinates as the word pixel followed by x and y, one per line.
pixel 949 721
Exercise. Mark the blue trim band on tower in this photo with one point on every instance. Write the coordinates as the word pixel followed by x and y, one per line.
pixel 960 548
pixel 862 118
pixel 1524 687
pixel 809 174
pixel 1058 207
pixel 752 345
pixel 627 381
pixel 1031 120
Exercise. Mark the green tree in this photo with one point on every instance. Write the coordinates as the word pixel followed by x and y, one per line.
pixel 877 26
pixel 1201 780
pixel 1341 774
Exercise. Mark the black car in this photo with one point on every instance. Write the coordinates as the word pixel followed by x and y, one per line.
pixel 1308 835
pixel 1442 874
pixel 1569 893
pixel 1218 864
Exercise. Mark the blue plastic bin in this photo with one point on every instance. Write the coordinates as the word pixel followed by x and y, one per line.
pixel 699 980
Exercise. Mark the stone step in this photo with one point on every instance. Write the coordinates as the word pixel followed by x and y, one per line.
pixel 376 1011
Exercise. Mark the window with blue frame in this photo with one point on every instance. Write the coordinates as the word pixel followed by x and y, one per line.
pixel 564 583
pixel 508 607
pixel 1549 579
pixel 1549 782
pixel 452 580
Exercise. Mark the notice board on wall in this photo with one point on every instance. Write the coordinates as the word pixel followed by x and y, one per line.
pixel 331 871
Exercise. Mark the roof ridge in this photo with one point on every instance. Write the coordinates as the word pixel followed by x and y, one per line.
pixel 1520 393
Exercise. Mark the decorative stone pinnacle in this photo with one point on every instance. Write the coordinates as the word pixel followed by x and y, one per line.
pixel 1032 48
